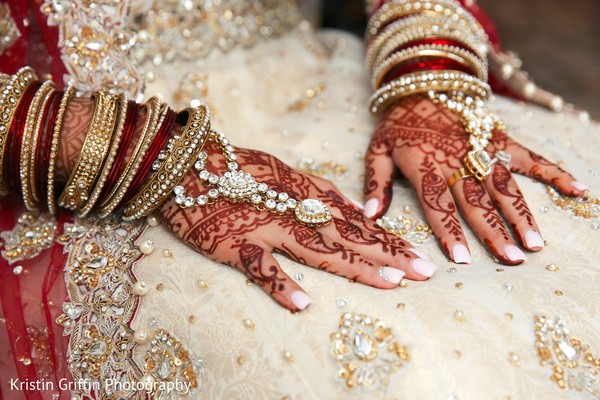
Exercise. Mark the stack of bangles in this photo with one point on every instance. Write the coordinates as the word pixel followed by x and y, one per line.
pixel 435 49
pixel 113 171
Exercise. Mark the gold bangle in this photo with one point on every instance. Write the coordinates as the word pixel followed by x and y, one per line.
pixel 109 159
pixel 93 152
pixel 60 116
pixel 456 54
pixel 11 95
pixel 457 176
pixel 426 81
pixel 420 27
pixel 29 144
pixel 156 112
pixel 178 162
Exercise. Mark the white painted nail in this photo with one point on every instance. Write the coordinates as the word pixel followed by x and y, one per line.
pixel 533 240
pixel 391 274
pixel 460 254
pixel 371 207
pixel 300 299
pixel 513 253
pixel 419 253
pixel 580 185
pixel 423 267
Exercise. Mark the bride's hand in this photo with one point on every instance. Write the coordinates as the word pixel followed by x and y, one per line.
pixel 427 143
pixel 239 235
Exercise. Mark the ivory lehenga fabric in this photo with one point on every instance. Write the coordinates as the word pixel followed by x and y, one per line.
pixel 480 331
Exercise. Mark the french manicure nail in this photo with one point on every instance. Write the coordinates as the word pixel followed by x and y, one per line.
pixel 423 267
pixel 419 253
pixel 300 299
pixel 580 186
pixel 513 253
pixel 460 254
pixel 391 274
pixel 371 208
pixel 533 240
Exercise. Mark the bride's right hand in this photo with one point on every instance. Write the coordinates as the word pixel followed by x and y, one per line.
pixel 240 235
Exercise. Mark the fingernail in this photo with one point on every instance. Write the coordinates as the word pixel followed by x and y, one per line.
pixel 391 274
pixel 513 253
pixel 533 240
pixel 423 267
pixel 460 254
pixel 580 186
pixel 300 299
pixel 419 253
pixel 371 208
pixel 357 203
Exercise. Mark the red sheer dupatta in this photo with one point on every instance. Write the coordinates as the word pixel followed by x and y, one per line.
pixel 33 364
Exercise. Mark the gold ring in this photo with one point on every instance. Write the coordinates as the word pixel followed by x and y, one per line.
pixel 458 175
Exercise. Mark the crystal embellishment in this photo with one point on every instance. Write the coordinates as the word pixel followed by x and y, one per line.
pixel 367 351
pixel 312 212
pixel 570 360
pixel 31 235
pixel 9 32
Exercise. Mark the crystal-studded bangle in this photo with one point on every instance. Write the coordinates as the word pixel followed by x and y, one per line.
pixel 42 156
pixel 423 52
pixel 54 146
pixel 93 152
pixel 109 158
pixel 29 145
pixel 155 112
pixel 9 100
pixel 396 9
pixel 176 163
pixel 237 186
pixel 426 81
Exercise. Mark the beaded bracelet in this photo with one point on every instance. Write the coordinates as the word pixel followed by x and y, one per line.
pixel 54 146
pixel 94 150
pixel 9 100
pixel 175 165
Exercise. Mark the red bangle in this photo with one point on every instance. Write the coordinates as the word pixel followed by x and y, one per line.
pixel 12 153
pixel 433 65
pixel 128 130
pixel 159 142
pixel 43 151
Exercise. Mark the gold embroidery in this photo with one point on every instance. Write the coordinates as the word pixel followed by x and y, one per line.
pixel 586 208
pixel 31 235
pixel 408 228
pixel 102 301
pixel 9 32
pixel 367 350
pixel 301 102
pixel 573 365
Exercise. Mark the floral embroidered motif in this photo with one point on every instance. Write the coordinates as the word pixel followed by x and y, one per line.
pixel 9 32
pixel 367 350
pixel 31 235
pixel 573 365
pixel 413 231
pixel 96 44
pixel 102 302
pixel 588 208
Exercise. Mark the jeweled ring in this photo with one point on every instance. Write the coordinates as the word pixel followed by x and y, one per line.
pixel 504 158
pixel 457 176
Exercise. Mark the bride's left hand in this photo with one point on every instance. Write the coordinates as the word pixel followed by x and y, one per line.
pixel 244 237
pixel 428 143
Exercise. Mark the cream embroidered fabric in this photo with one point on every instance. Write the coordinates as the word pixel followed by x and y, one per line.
pixel 469 331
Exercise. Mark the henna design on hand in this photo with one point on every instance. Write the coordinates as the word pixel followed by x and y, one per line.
pixel 501 179
pixel 252 259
